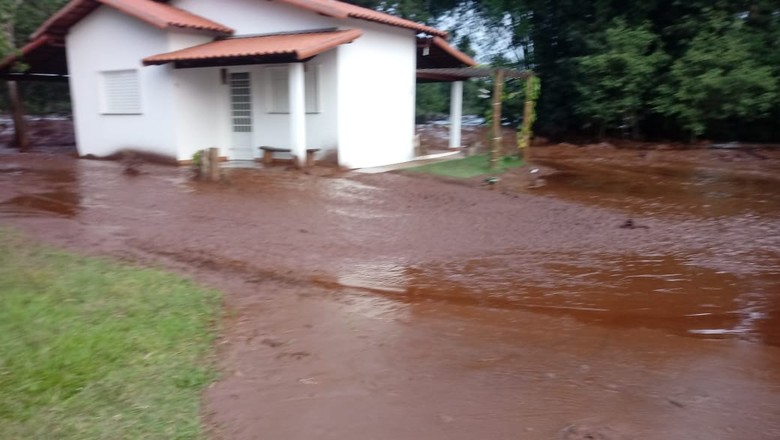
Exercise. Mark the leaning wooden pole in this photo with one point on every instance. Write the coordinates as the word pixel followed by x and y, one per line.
pixel 20 139
pixel 496 139
pixel 213 171
pixel 525 132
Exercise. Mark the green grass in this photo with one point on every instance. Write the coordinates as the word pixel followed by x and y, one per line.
pixel 93 350
pixel 468 167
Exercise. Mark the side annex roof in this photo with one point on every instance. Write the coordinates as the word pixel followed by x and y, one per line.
pixel 157 14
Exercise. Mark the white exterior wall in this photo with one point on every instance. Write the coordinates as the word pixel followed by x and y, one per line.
pixel 376 93
pixel 109 40
pixel 371 81
pixel 212 127
pixel 203 116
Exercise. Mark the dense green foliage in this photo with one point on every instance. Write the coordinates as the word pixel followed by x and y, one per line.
pixel 91 350
pixel 718 78
pixel 665 68
pixel 644 68
pixel 616 75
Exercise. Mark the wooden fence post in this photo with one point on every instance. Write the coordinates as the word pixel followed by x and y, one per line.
pixel 525 142
pixel 496 141
pixel 20 139
pixel 213 164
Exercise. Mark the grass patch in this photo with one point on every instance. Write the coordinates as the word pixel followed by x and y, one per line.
pixel 93 350
pixel 468 167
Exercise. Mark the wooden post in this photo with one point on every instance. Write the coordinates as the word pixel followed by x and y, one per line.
pixel 20 139
pixel 525 142
pixel 498 91
pixel 214 164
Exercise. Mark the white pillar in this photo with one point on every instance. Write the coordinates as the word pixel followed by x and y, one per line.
pixel 456 113
pixel 297 112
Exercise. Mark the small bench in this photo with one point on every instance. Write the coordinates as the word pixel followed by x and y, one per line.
pixel 268 154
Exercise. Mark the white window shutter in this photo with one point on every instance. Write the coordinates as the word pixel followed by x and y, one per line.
pixel 121 92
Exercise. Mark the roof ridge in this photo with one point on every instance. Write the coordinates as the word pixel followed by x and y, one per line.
pixel 75 10
pixel 339 9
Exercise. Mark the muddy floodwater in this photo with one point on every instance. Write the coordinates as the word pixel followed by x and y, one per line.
pixel 634 294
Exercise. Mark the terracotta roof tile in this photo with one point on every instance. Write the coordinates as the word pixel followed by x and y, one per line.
pixel 164 16
pixel 157 14
pixel 298 46
pixel 337 9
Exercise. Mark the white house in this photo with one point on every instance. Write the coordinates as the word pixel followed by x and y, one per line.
pixel 174 77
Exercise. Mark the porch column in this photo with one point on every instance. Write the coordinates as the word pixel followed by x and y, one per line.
pixel 297 113
pixel 456 113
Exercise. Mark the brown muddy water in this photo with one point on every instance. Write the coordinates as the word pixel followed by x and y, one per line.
pixel 388 306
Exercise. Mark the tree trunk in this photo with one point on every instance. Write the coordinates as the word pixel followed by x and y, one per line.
pixel 20 139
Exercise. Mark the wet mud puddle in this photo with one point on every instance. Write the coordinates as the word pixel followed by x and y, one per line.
pixel 729 288
pixel 663 292
pixel 40 192
pixel 517 342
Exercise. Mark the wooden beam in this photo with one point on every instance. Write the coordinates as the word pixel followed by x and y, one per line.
pixel 496 140
pixel 20 139
pixel 525 132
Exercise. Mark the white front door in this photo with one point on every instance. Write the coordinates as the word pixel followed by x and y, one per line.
pixel 241 116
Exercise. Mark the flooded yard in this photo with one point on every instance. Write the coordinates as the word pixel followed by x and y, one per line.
pixel 636 295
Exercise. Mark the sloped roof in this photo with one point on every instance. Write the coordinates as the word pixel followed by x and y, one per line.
pixel 155 13
pixel 337 9
pixel 291 46
pixel 164 16
pixel 46 50
pixel 435 52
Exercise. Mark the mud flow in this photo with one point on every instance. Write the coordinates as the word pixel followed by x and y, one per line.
pixel 634 295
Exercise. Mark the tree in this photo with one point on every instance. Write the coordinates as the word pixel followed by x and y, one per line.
pixel 622 66
pixel 718 78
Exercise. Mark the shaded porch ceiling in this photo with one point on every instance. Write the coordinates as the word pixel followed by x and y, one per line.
pixel 43 59
pixel 435 52
pixel 464 73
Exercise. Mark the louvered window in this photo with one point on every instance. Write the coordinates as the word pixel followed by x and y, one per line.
pixel 121 92
pixel 241 102
pixel 279 89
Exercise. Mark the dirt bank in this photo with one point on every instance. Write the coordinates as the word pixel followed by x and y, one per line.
pixel 388 306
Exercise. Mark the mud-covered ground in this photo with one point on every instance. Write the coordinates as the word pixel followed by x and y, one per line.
pixel 392 306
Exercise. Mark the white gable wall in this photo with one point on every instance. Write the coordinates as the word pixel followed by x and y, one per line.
pixel 109 40
pixel 249 17
pixel 376 94
pixel 372 81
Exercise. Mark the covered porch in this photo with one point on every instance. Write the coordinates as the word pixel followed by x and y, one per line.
pixel 456 76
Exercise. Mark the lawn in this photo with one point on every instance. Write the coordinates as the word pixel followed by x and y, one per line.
pixel 90 349
pixel 468 167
